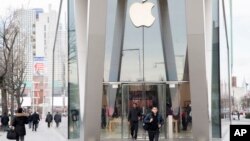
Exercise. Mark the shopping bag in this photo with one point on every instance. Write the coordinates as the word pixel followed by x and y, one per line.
pixel 11 134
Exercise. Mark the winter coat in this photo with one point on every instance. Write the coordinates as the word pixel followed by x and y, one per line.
pixel 134 114
pixel 35 118
pixel 58 118
pixel 5 120
pixel 19 122
pixel 30 118
pixel 157 119
pixel 49 118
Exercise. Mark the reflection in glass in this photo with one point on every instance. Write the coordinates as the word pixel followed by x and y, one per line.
pixel 216 116
pixel 74 103
pixel 111 115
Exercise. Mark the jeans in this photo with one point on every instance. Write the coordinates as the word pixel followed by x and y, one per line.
pixel 134 129
pixel 49 124
pixel 34 127
pixel 30 124
pixel 153 135
pixel 21 138
pixel 5 127
pixel 57 124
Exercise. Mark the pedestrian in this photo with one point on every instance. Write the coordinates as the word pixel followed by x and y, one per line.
pixel 238 113
pixel 57 119
pixel 19 122
pixel 169 110
pixel 103 116
pixel 5 121
pixel 134 116
pixel 155 122
pixel 189 114
pixel 35 120
pixel 49 119
pixel 30 120
pixel 184 120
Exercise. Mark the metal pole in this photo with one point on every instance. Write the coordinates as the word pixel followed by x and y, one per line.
pixel 229 61
pixel 53 55
pixel 143 59
pixel 143 72
pixel 139 63
pixel 231 21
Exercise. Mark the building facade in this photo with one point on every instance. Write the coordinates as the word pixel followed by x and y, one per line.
pixel 27 20
pixel 181 62
pixel 53 96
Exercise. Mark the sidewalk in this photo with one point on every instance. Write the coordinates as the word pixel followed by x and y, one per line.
pixel 60 134
pixel 226 128
pixel 43 134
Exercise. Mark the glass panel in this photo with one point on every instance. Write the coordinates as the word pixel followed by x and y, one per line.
pixel 111 112
pixel 74 103
pixel 153 52
pixel 145 97
pixel 179 36
pixel 225 102
pixel 111 12
pixel 216 117
pixel 185 115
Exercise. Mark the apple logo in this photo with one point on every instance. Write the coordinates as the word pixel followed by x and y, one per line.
pixel 140 14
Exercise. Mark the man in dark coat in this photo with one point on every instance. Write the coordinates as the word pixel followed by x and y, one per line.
pixel 5 121
pixel 35 120
pixel 134 116
pixel 49 119
pixel 58 119
pixel 19 122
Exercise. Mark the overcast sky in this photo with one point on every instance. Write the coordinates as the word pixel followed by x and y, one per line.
pixel 241 37
pixel 13 4
pixel 241 30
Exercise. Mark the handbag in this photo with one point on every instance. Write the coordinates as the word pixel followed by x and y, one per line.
pixel 11 134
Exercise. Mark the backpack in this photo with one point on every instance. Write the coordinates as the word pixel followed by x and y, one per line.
pixel 146 125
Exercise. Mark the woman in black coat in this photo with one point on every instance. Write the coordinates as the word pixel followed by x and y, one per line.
pixel 19 122
pixel 155 122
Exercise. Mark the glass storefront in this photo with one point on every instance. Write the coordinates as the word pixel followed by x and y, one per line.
pixel 143 58
pixel 147 74
pixel 115 108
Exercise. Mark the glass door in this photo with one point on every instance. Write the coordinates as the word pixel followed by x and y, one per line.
pixel 145 96
pixel 111 116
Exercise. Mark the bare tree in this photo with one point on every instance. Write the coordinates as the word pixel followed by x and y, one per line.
pixel 12 62
pixel 8 34
pixel 16 77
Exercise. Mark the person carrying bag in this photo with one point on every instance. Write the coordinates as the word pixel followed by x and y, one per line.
pixel 11 134
pixel 18 123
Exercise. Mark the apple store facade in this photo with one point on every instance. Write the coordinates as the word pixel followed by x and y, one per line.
pixel 173 54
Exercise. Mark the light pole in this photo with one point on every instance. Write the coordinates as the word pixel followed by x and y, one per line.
pixel 229 59
pixel 53 55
